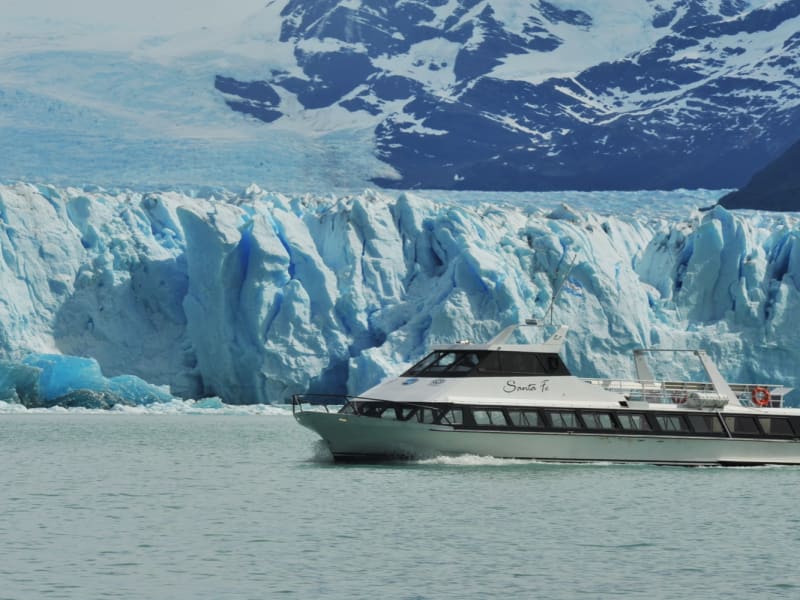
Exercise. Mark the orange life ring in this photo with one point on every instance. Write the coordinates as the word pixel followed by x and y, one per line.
pixel 760 396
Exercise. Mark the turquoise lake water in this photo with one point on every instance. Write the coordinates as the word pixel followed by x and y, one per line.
pixel 250 506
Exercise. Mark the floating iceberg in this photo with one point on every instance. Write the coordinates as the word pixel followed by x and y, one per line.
pixel 253 296
pixel 44 380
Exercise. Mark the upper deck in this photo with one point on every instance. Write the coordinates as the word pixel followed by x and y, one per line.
pixel 500 359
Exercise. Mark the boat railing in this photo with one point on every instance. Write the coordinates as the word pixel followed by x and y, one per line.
pixel 372 407
pixel 323 400
pixel 339 400
pixel 678 392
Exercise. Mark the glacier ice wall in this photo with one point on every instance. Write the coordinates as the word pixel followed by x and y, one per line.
pixel 254 296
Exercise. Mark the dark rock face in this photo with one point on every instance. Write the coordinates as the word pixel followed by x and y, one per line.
pixel 257 98
pixel 696 108
pixel 775 187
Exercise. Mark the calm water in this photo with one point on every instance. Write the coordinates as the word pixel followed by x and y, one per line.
pixel 220 506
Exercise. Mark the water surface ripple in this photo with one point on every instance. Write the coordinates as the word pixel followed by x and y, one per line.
pixel 249 506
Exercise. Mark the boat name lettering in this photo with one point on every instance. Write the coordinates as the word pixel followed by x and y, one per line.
pixel 511 386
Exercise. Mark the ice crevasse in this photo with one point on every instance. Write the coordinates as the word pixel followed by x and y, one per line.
pixel 254 296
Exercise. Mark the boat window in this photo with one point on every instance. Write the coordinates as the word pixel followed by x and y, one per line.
pixel 446 359
pixel 598 420
pixel 776 426
pixel 389 413
pixel 426 415
pixel 671 423
pixel 563 419
pixel 709 423
pixel 446 363
pixel 370 409
pixel 521 363
pixel 461 363
pixel 488 416
pixel 454 416
pixel 633 421
pixel 742 425
pixel 490 364
pixel 525 418
pixel 405 412
pixel 348 409
pixel 464 363
pixel 420 367
pixel 553 365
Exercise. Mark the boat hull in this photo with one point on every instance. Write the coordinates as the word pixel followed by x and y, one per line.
pixel 360 438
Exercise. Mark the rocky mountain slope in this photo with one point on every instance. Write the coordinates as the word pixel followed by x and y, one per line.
pixel 775 187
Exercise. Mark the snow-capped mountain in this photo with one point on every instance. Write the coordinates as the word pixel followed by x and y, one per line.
pixel 315 96
pixel 252 297
pixel 568 94
pixel 546 95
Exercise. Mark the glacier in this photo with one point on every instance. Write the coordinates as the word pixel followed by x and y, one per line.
pixel 250 296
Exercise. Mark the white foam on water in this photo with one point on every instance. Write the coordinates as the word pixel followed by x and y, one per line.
pixel 474 460
pixel 206 406
pixel 321 453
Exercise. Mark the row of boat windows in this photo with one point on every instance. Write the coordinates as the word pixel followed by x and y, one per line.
pixel 487 363
pixel 584 420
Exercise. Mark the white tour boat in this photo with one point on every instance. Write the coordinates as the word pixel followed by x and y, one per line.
pixel 512 400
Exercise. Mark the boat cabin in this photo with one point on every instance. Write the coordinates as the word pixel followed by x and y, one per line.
pixel 622 421
pixel 488 363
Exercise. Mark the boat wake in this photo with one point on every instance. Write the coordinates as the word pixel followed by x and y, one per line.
pixel 471 460
pixel 474 460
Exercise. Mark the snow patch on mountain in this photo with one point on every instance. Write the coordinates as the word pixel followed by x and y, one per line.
pixel 614 32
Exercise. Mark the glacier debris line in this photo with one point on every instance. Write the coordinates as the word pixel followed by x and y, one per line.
pixel 254 296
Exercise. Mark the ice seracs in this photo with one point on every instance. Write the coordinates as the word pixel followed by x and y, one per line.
pixel 255 296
